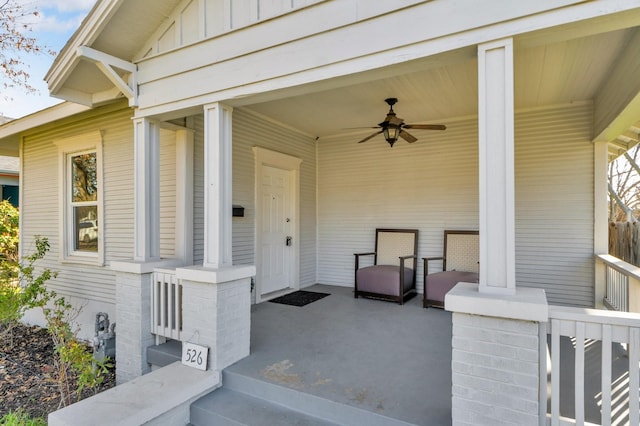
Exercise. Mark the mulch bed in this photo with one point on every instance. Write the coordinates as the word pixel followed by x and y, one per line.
pixel 25 373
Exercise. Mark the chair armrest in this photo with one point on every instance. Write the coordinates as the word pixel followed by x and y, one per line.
pixel 357 256
pixel 410 256
pixel 426 263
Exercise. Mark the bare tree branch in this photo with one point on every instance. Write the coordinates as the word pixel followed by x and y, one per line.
pixel 14 41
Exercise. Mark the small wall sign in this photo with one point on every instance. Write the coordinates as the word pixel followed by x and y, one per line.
pixel 194 355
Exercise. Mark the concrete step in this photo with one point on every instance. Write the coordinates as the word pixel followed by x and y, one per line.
pixel 248 401
pixel 165 353
pixel 225 407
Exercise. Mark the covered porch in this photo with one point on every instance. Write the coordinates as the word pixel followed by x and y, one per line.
pixel 529 112
pixel 388 360
pixel 367 362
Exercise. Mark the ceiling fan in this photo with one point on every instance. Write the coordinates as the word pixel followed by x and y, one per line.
pixel 393 127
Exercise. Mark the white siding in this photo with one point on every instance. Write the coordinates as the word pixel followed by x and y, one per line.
pixel 347 190
pixel 167 194
pixel 432 185
pixel 554 203
pixel 250 130
pixel 41 190
pixel 198 189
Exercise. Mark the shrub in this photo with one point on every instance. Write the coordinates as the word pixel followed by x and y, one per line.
pixel 21 288
pixel 20 418
pixel 9 231
pixel 74 366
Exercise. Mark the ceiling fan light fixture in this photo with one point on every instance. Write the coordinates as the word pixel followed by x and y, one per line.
pixel 393 127
pixel 391 133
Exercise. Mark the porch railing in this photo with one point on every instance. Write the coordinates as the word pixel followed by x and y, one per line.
pixel 166 304
pixel 622 285
pixel 592 335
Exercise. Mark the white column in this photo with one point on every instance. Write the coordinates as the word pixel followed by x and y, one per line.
pixel 496 137
pixel 218 186
pixel 184 196
pixel 600 218
pixel 147 190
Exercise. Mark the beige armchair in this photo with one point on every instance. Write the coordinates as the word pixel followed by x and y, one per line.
pixel 393 273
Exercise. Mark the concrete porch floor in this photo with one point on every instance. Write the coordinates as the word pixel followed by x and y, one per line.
pixel 377 356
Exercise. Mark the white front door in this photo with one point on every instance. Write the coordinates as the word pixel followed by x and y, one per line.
pixel 276 239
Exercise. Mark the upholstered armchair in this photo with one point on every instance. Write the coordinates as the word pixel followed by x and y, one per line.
pixel 393 273
pixel 460 263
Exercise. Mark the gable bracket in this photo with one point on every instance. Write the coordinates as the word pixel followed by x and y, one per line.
pixel 108 65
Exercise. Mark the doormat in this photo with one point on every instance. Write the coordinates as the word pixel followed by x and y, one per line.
pixel 299 298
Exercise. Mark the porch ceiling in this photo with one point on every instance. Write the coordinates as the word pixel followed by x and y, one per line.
pixel 562 72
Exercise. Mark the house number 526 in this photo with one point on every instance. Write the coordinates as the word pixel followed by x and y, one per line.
pixel 194 355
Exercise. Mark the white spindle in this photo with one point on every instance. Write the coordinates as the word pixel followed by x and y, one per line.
pixel 555 372
pixel 606 376
pixel 163 304
pixel 166 305
pixel 542 384
pixel 634 385
pixel 579 374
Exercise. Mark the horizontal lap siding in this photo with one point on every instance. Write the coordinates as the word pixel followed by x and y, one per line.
pixel 251 130
pixel 41 189
pixel 167 194
pixel 554 203
pixel 431 185
pixel 198 189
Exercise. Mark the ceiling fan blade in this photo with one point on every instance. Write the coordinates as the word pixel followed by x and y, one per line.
pixel 355 128
pixel 426 126
pixel 396 121
pixel 407 136
pixel 370 136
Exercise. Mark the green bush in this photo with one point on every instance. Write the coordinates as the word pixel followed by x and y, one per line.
pixel 9 231
pixel 20 418
pixel 21 288
pixel 11 294
pixel 75 369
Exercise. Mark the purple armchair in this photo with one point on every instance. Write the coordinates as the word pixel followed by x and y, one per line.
pixel 460 263
pixel 393 273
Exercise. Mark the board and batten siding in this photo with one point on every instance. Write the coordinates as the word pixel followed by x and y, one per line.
pixel 194 20
pixel 251 130
pixel 41 189
pixel 432 185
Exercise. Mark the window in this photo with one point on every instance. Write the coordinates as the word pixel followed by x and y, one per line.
pixel 10 193
pixel 84 200
pixel 81 198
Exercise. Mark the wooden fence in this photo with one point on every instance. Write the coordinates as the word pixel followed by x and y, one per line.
pixel 624 241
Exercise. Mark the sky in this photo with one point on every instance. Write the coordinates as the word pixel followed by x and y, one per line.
pixel 57 21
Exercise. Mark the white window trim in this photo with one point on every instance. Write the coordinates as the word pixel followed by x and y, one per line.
pixel 78 144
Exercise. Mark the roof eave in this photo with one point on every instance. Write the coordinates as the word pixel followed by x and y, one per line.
pixel 11 129
pixel 85 35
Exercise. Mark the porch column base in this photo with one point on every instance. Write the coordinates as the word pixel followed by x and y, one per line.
pixel 216 311
pixel 133 317
pixel 495 355
pixel 133 325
